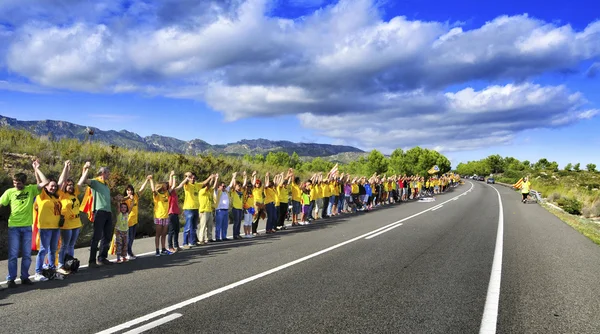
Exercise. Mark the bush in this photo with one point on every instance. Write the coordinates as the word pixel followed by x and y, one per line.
pixel 554 197
pixel 595 209
pixel 586 212
pixel 570 205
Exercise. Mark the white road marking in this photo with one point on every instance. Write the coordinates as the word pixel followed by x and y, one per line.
pixel 154 324
pixel 490 312
pixel 396 224
pixel 196 299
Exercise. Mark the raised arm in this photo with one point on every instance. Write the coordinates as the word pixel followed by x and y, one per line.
pixel 245 179
pixel 216 177
pixel 152 183
pixel 84 175
pixel 232 183
pixel 144 184
pixel 267 174
pixel 36 168
pixel 65 174
pixel 172 181
pixel 207 181
pixel 254 178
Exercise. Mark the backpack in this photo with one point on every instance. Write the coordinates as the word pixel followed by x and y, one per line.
pixel 71 264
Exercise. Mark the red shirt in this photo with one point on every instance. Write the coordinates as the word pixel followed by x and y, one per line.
pixel 174 203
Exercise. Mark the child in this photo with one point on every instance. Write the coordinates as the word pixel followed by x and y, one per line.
pixel 248 201
pixel 121 231
pixel 305 206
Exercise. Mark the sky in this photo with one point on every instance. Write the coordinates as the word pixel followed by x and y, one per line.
pixel 466 78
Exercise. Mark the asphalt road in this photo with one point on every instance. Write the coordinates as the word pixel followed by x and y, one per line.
pixel 427 273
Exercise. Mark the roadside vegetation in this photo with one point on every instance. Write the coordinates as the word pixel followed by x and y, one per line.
pixel 574 189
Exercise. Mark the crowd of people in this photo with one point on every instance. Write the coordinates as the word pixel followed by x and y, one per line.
pixel 47 213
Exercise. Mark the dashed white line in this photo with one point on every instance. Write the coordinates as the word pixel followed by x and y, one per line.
pixel 490 312
pixel 154 324
pixel 194 300
pixel 437 207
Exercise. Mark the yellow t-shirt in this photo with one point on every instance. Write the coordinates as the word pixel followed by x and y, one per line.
pixel 325 190
pixel 161 205
pixel 249 201
pixel 355 188
pixel 334 189
pixel 314 192
pixel 190 200
pixel 132 218
pixel 257 193
pixel 296 192
pixel 48 209
pixel 236 199
pixel 283 193
pixel 205 199
pixel 270 195
pixel 70 209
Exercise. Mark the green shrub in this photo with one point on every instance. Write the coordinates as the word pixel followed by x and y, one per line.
pixel 554 197
pixel 570 205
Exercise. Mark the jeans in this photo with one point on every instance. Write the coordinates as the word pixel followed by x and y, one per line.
pixel 325 206
pixel 19 238
pixel 130 238
pixel 48 246
pixel 283 209
pixel 271 216
pixel 103 231
pixel 330 206
pixel 237 221
pixel 69 238
pixel 311 206
pixel 221 222
pixel 173 236
pixel 190 229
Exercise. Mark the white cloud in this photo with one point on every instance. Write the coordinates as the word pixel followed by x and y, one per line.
pixel 341 63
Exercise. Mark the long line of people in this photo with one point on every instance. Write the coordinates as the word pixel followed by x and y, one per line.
pixel 51 209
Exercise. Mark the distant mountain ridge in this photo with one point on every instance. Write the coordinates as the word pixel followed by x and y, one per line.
pixel 124 138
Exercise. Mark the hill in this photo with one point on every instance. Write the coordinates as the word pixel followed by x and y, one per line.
pixel 156 143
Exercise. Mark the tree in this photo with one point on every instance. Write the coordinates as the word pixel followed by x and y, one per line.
pixel 259 158
pixel 527 164
pixel 247 157
pixel 496 163
pixel 376 163
pixel 541 164
pixel 569 167
pixel 577 167
pixel 553 166
pixel 591 167
pixel 278 159
pixel 295 161
pixel 395 165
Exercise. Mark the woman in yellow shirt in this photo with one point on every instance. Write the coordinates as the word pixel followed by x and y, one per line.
pixel 259 202
pixel 69 200
pixel 47 209
pixel 160 197
pixel 270 198
pixel 132 200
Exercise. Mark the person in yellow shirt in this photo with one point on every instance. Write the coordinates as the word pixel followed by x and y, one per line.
pixel 525 189
pixel 160 197
pixel 270 198
pixel 326 195
pixel 132 200
pixel 237 206
pixel 205 208
pixel 248 201
pixel 191 213
pixel 47 208
pixel 296 198
pixel 313 188
pixel 68 195
pixel 259 202
pixel 283 194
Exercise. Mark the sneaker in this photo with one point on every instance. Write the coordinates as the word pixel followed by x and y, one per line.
pixel 26 281
pixel 157 254
pixel 165 252
pixel 186 247
pixel 119 260
pixel 62 271
pixel 106 262
pixel 173 250
pixel 131 257
pixel 11 284
pixel 40 278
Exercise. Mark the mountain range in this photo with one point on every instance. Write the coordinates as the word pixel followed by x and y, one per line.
pixel 62 129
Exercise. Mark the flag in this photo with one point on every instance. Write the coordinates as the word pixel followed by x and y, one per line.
pixel 518 184
pixel 87 204
pixel 433 170
pixel 334 170
pixel 35 232
pixel 113 245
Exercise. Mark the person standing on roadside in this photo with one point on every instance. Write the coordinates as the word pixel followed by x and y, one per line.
pixel 206 210
pixel 20 199
pixel 68 194
pixel 173 233
pixel 132 200
pixel 190 209
pixel 102 215
pixel 525 189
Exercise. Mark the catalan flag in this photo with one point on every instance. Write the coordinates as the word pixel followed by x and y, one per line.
pixel 433 170
pixel 518 184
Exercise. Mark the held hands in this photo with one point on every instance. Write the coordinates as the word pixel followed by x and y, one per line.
pixel 35 164
pixel 149 177
pixel 86 166
pixel 244 173
pixel 171 174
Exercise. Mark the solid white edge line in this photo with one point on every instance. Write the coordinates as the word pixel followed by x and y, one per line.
pixel 490 312
pixel 394 225
pixel 154 324
pixel 196 299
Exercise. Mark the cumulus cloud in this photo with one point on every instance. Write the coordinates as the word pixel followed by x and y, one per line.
pixel 339 64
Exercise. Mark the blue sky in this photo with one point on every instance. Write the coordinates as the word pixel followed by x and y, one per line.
pixel 519 78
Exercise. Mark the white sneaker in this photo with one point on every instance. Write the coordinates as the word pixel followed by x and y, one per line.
pixel 130 257
pixel 40 278
pixel 62 271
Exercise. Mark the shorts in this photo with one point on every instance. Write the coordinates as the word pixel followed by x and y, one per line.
pixel 305 209
pixel 247 219
pixel 296 207
pixel 525 195
pixel 161 221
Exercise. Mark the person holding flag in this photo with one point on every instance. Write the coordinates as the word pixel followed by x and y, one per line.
pixel 97 205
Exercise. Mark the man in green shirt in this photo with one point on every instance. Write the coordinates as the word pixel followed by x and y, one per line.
pixel 103 228
pixel 20 199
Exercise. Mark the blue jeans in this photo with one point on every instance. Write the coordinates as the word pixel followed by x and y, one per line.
pixel 238 214
pixel 221 222
pixel 48 246
pixel 271 216
pixel 190 229
pixel 19 238
pixel 330 206
pixel 69 238
pixel 130 238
